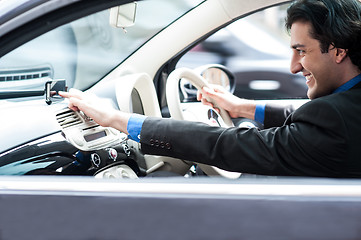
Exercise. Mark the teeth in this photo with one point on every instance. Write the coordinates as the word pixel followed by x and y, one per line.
pixel 308 77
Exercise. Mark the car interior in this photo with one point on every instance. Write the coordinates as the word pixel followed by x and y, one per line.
pixel 150 69
pixel 62 176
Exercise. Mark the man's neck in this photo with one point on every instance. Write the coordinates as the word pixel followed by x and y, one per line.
pixel 348 71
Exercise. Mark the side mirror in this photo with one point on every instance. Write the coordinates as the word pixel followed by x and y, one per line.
pixel 123 16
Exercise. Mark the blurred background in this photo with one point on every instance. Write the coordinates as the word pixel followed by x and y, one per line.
pixel 256 50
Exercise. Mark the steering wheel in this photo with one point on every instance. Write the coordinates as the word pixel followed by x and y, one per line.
pixel 223 119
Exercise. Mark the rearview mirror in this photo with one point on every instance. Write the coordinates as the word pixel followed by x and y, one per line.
pixel 123 16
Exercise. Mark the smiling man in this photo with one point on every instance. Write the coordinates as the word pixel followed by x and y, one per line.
pixel 325 67
pixel 324 71
pixel 321 138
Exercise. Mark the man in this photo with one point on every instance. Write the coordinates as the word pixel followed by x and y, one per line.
pixel 321 138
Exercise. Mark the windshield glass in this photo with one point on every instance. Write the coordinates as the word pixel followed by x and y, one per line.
pixel 83 51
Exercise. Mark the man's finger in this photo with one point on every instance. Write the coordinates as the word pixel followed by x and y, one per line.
pixel 64 94
pixel 76 93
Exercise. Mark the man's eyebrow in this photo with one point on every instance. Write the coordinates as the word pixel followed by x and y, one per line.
pixel 297 46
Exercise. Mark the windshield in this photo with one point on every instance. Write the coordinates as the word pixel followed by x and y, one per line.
pixel 85 50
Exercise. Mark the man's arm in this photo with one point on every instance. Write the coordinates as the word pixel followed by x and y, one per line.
pixel 303 147
pixel 268 115
pixel 275 115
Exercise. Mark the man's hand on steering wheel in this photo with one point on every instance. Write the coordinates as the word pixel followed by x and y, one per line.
pixel 235 106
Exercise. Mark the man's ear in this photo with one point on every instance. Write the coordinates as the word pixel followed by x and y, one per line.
pixel 341 54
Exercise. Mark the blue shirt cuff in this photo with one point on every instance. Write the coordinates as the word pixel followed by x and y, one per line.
pixel 134 126
pixel 259 113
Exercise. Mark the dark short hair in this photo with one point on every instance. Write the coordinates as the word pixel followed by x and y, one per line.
pixel 334 22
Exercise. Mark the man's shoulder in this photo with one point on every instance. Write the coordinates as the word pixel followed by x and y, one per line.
pixel 336 99
pixel 330 106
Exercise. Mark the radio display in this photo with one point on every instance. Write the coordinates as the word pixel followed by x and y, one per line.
pixel 95 136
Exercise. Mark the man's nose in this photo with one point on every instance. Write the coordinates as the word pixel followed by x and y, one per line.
pixel 296 65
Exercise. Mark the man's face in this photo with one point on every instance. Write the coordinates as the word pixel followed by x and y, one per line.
pixel 318 68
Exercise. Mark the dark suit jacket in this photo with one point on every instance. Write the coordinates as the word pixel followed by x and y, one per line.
pixel 321 138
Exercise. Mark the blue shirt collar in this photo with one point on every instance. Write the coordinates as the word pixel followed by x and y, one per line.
pixel 346 86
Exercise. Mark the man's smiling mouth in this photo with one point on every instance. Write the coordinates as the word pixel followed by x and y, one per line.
pixel 308 77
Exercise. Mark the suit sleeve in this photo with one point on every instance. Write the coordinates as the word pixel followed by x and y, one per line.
pixel 306 145
pixel 276 115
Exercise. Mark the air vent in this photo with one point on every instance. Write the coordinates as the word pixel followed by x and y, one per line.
pixel 25 74
pixel 68 118
pixel 83 132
